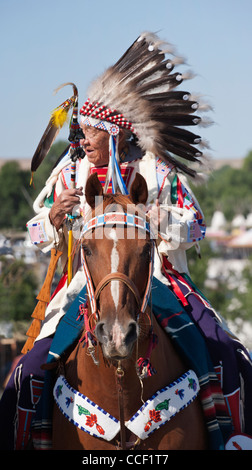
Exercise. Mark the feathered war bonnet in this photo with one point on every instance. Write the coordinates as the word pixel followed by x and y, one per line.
pixel 139 93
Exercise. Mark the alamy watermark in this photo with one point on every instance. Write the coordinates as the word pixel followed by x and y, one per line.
pixel 155 221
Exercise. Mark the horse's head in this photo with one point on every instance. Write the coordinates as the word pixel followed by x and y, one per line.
pixel 118 257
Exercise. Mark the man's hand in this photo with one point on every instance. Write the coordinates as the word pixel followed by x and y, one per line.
pixel 64 204
pixel 157 215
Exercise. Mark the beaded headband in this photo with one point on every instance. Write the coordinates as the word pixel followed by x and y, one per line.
pixel 99 112
pixel 112 129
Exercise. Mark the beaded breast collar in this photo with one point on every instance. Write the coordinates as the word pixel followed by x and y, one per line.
pixel 154 413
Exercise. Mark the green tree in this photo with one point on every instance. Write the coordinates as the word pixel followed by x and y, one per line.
pixel 15 196
pixel 16 193
pixel 18 290
pixel 247 165
pixel 45 168
pixel 227 189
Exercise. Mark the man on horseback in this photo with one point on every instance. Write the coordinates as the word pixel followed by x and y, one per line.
pixel 133 117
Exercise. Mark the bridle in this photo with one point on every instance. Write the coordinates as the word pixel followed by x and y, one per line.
pixel 118 219
pixel 118 277
pixel 126 220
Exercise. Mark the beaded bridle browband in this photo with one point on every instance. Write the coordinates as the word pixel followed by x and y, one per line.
pixel 118 219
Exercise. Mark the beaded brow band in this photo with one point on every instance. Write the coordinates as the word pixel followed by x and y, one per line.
pixel 118 218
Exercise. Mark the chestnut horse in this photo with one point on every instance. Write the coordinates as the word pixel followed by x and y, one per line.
pixel 101 388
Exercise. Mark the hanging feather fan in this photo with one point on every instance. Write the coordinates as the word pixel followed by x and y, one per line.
pixel 57 120
pixel 140 93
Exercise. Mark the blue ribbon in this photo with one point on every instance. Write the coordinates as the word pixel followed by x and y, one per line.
pixel 116 173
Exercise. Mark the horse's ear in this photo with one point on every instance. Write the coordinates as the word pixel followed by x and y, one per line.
pixel 93 189
pixel 139 190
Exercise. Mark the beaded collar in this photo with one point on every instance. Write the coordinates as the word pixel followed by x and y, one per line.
pixel 154 413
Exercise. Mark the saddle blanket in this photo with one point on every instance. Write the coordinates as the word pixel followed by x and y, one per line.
pixel 155 412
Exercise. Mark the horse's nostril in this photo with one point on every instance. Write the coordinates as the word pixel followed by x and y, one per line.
pixel 114 339
pixel 100 332
pixel 131 334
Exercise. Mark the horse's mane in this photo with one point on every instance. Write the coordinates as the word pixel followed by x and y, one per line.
pixel 116 198
pixel 122 200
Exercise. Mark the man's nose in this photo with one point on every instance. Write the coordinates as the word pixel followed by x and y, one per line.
pixel 84 141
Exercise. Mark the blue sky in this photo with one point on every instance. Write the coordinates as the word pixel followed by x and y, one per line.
pixel 43 44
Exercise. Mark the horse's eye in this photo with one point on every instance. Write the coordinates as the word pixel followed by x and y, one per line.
pixel 86 250
pixel 146 251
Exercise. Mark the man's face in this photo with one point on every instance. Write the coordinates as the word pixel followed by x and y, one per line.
pixel 96 145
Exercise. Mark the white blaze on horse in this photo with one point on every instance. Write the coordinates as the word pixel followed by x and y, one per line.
pixel 102 400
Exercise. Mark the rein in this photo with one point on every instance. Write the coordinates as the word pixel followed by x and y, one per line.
pixel 119 382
